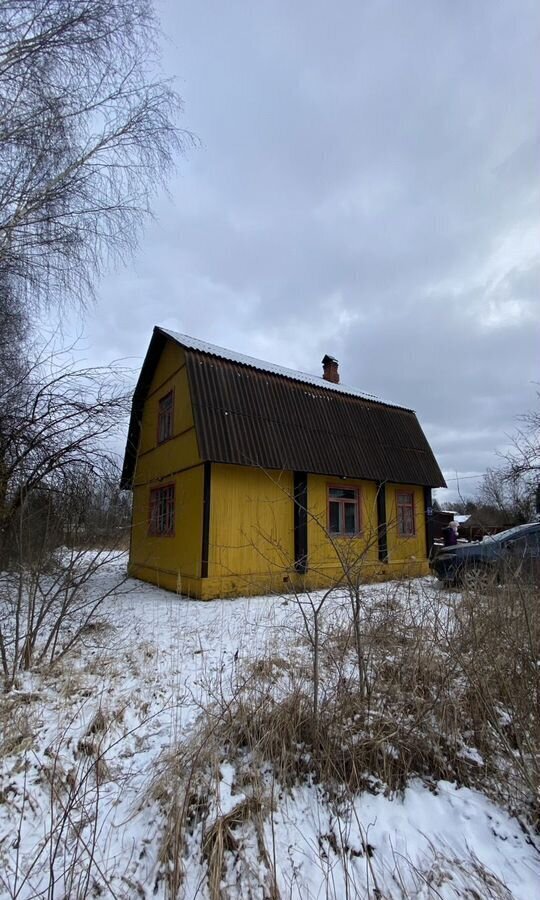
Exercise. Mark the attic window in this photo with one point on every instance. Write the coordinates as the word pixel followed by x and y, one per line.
pixel 165 418
pixel 161 522
pixel 343 511
pixel 405 514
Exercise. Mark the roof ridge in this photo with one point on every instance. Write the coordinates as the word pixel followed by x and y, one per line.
pixel 192 343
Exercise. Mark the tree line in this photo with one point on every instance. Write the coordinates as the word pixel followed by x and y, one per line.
pixel 89 132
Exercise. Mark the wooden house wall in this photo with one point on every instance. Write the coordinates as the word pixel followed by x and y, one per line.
pixel 251 530
pixel 323 553
pixel 251 523
pixel 171 561
pixel 252 534
pixel 406 555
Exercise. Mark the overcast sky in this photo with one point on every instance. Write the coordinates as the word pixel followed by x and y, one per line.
pixel 367 186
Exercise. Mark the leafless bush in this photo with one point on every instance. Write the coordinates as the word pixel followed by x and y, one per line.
pixel 496 647
pixel 451 693
pixel 47 605
pixel 64 856
pixel 58 496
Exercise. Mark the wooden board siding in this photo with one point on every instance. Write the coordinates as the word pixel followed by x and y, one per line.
pixel 406 551
pixel 322 557
pixel 182 411
pixel 252 535
pixel 179 453
pixel 251 530
pixel 171 561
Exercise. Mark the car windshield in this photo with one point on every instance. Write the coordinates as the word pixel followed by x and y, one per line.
pixel 509 533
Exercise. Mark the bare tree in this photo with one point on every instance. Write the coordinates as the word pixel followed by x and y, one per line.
pixel 87 134
pixel 513 489
pixel 523 458
pixel 504 499
pixel 56 426
pixel 57 430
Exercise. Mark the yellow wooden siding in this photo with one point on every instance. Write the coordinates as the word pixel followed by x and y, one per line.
pixel 171 360
pixel 156 461
pixel 170 561
pixel 325 552
pixel 168 458
pixel 406 554
pixel 251 529
pixel 177 555
pixel 252 535
pixel 164 381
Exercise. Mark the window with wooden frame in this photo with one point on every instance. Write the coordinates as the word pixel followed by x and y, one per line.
pixel 405 514
pixel 165 418
pixel 343 510
pixel 161 522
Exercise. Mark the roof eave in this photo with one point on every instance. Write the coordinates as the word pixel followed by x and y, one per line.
pixel 157 342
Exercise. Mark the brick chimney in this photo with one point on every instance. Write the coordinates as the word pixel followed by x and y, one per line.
pixel 330 369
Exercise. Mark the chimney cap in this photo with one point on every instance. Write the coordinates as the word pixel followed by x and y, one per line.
pixel 330 369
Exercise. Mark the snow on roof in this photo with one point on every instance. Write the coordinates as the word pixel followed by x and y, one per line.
pixel 204 347
pixel 457 516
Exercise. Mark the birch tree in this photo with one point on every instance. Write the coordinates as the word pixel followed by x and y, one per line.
pixel 88 133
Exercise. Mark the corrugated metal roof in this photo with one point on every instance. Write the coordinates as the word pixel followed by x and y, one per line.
pixel 192 343
pixel 251 413
pixel 250 417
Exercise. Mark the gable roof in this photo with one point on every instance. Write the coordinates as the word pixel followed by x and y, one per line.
pixel 190 343
pixel 249 412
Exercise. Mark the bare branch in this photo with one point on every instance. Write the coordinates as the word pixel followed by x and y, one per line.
pixel 88 133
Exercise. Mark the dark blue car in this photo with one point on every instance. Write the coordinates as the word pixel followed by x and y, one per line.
pixel 512 553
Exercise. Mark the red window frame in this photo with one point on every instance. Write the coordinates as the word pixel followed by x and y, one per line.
pixel 161 511
pixel 406 517
pixel 342 502
pixel 165 419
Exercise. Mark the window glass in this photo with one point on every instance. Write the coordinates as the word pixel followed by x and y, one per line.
pixel 405 514
pixel 162 510
pixel 343 511
pixel 343 493
pixel 350 517
pixel 333 515
pixel 526 544
pixel 165 417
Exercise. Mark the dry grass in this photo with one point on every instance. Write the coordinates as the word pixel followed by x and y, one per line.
pixel 452 692
pixel 17 723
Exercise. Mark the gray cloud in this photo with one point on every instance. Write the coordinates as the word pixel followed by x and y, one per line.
pixel 368 185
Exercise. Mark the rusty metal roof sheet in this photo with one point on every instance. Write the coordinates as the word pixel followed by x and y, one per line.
pixel 250 413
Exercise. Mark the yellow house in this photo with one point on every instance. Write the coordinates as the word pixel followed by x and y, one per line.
pixel 248 477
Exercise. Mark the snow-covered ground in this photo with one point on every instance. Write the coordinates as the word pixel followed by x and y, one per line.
pixel 82 744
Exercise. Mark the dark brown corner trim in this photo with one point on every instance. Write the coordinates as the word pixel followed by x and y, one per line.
pixel 206 519
pixel 382 527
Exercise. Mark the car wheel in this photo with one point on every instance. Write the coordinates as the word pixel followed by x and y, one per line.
pixel 477 579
